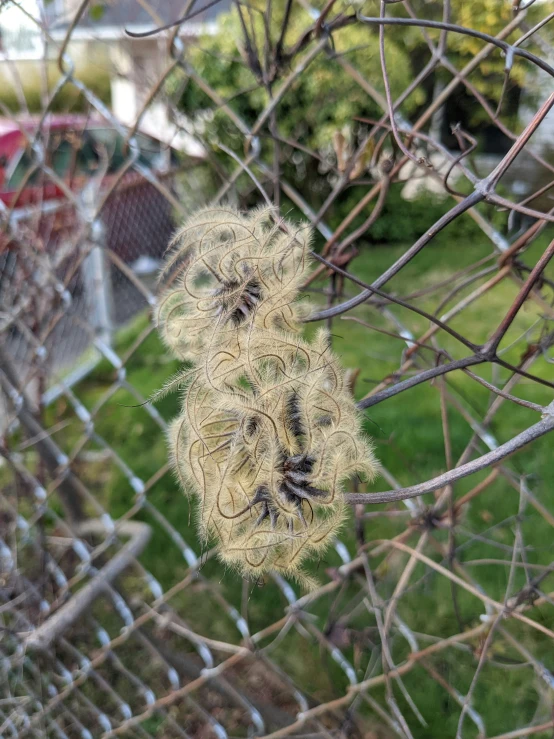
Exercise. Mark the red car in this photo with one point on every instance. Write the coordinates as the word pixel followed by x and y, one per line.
pixel 88 156
pixel 76 148
pixel 136 216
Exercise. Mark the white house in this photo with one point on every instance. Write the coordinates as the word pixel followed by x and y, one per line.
pixel 135 64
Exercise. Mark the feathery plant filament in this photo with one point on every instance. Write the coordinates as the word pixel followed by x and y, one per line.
pixel 268 433
pixel 231 273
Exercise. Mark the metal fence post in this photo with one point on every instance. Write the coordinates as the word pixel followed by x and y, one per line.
pixel 97 273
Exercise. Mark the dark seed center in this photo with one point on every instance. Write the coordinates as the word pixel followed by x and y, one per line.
pixel 294 488
pixel 238 307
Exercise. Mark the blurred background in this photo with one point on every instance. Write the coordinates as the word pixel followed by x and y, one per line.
pixel 372 121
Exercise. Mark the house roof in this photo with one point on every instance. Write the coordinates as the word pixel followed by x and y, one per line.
pixel 121 15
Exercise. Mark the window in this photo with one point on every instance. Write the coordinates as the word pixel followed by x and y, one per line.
pixel 69 154
pixel 18 168
pixel 84 153
pixel 151 154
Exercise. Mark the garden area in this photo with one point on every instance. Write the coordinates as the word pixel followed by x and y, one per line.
pixel 192 542
pixel 410 440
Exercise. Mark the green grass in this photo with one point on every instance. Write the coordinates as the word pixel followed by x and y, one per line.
pixel 408 436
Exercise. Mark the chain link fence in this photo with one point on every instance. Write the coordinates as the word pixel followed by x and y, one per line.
pixel 433 616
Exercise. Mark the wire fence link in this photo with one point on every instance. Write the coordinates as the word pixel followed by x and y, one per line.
pixel 435 607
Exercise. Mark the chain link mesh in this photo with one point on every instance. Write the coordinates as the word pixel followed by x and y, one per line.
pixel 114 618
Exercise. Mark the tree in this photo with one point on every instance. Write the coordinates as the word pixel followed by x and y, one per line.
pixel 264 51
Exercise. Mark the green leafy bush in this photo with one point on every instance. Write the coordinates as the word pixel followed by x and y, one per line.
pixel 242 71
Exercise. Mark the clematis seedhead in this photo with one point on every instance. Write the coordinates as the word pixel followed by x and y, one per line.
pixel 268 436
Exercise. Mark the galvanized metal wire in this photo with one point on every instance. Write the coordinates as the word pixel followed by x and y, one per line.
pixel 93 644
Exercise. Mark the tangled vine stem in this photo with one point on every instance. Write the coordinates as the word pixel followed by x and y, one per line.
pixel 485 353
pixel 453 213
pixel 544 426
pixel 509 49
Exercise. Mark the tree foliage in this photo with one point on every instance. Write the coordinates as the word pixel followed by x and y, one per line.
pixel 248 60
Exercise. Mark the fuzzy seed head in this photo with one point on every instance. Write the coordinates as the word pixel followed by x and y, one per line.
pixel 228 274
pixel 268 435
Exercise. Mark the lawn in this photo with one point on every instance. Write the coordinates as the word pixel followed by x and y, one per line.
pixel 408 435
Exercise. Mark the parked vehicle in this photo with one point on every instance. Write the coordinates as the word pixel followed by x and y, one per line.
pixel 45 254
pixel 82 152
pixel 76 148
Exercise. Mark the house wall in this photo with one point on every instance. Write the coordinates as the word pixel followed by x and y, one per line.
pixel 545 134
pixel 137 65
